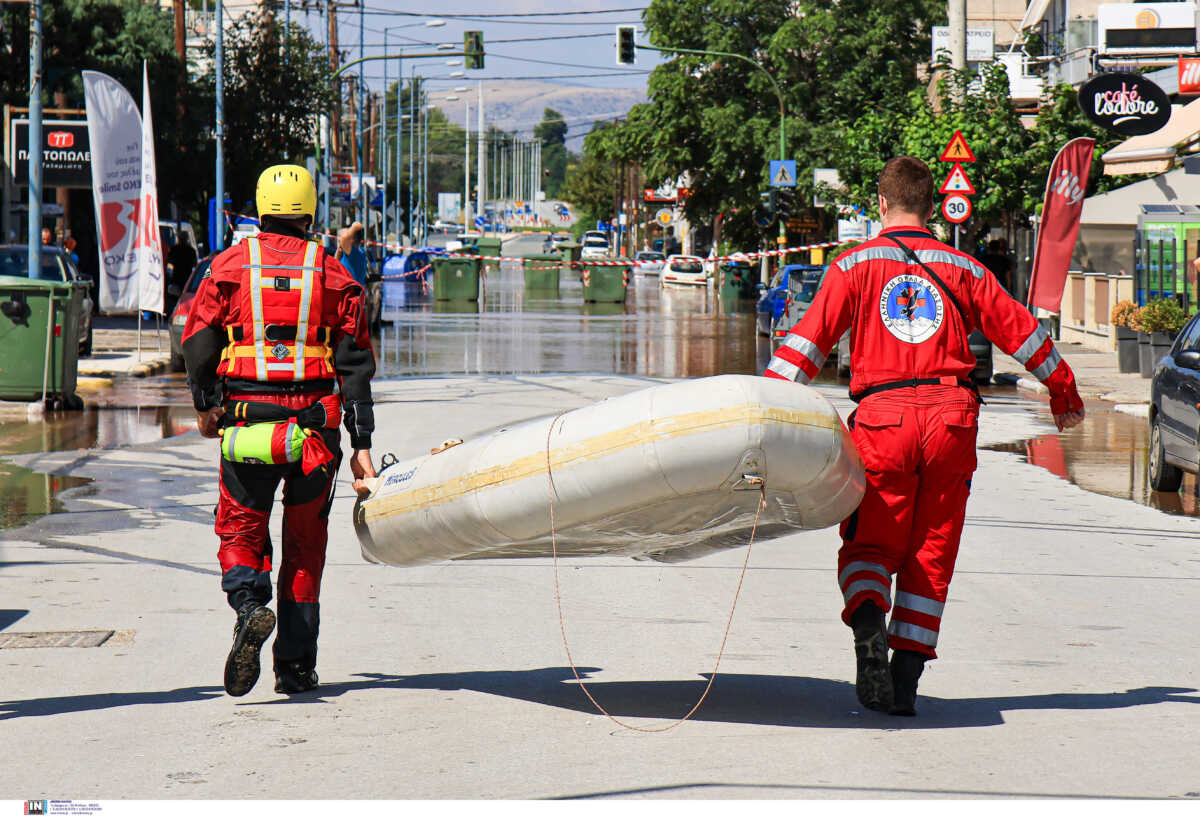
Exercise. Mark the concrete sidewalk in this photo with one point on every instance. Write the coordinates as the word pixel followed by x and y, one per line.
pixel 1063 670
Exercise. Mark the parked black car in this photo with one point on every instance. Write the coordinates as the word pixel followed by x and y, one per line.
pixel 1175 411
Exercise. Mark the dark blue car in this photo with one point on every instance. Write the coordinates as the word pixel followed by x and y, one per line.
pixel 788 296
pixel 1175 411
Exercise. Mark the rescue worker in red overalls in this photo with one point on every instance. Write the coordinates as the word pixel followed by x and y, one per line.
pixel 277 351
pixel 910 302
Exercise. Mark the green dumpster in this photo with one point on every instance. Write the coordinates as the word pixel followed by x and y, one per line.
pixel 489 248
pixel 569 251
pixel 39 332
pixel 735 281
pixel 541 273
pixel 455 278
pixel 607 284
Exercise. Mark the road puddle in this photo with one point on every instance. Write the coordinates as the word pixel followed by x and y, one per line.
pixel 26 494
pixel 657 332
pixel 1107 454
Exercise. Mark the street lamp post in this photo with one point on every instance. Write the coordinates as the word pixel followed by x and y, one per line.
pixel 219 69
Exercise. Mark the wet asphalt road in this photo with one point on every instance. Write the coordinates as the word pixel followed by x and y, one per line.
pixel 658 332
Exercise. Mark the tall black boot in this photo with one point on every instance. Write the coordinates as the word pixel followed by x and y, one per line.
pixel 906 670
pixel 873 685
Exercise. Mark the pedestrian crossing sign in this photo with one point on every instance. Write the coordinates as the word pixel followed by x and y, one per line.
pixel 957 150
pixel 783 173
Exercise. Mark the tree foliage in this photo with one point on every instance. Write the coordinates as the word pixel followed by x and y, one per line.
pixel 271 107
pixel 114 37
pixel 552 133
pixel 590 181
pixel 718 118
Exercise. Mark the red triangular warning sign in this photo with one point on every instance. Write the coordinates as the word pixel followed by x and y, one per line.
pixel 957 182
pixel 957 150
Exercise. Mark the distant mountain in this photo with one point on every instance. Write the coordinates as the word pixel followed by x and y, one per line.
pixel 519 105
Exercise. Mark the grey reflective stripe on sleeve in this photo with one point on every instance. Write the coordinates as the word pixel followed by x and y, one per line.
pixel 784 369
pixel 942 256
pixel 865 585
pixel 910 631
pixel 806 347
pixel 1048 365
pixel 864 566
pixel 1032 343
pixel 917 603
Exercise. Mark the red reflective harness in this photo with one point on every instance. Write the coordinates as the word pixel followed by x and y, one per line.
pixel 281 338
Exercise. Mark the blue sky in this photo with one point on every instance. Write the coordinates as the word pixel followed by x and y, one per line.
pixel 587 58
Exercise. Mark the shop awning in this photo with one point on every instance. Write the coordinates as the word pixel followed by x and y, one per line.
pixel 1120 207
pixel 1156 152
pixel 1035 13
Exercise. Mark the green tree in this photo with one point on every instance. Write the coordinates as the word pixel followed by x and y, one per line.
pixel 590 182
pixel 1012 161
pixel 271 108
pixel 552 133
pixel 114 37
pixel 717 119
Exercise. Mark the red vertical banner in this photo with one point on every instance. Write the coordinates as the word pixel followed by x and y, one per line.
pixel 1059 226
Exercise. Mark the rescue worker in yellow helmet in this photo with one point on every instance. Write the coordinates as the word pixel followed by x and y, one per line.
pixel 277 334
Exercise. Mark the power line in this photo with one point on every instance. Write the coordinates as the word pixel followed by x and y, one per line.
pixel 491 15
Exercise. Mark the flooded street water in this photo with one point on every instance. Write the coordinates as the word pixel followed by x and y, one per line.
pixel 674 332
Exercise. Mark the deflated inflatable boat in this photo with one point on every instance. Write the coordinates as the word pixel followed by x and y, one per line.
pixel 670 473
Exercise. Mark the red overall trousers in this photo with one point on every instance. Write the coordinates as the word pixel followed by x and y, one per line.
pixel 918 446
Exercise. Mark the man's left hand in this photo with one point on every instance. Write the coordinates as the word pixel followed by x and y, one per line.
pixel 1068 420
pixel 362 468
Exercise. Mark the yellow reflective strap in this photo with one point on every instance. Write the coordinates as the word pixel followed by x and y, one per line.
pixel 310 350
pixel 256 305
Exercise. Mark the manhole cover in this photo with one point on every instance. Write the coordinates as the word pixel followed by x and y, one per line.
pixel 54 640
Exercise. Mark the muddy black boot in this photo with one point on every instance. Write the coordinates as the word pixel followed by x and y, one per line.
pixel 294 677
pixel 873 684
pixel 906 670
pixel 253 627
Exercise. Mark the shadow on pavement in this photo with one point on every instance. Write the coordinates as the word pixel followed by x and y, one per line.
pixel 753 699
pixel 10 616
pixel 46 706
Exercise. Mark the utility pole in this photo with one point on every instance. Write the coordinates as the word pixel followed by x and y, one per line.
pixel 958 34
pixel 34 232
pixel 219 69
pixel 466 202
pixel 481 175
pixel 412 146
pixel 180 47
pixel 362 191
pixel 335 142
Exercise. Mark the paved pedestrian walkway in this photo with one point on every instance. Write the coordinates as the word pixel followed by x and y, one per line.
pixel 1095 373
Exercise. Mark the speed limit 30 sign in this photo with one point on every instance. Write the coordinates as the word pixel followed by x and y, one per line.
pixel 956 208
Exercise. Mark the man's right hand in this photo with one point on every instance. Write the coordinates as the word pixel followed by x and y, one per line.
pixel 1068 420
pixel 362 468
pixel 206 421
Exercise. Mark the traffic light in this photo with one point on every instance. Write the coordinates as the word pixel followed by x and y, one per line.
pixel 784 202
pixel 473 50
pixel 764 214
pixel 626 54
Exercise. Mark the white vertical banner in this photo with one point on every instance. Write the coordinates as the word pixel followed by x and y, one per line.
pixel 125 191
pixel 149 249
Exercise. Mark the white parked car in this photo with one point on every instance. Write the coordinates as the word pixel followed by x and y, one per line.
pixel 649 263
pixel 595 245
pixel 684 269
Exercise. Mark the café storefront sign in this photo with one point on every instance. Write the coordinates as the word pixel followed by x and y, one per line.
pixel 1128 104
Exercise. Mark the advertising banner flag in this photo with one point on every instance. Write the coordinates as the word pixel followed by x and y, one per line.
pixel 1059 225
pixel 115 131
pixel 149 250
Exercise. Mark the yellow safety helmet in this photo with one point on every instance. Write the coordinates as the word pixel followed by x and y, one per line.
pixel 287 190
